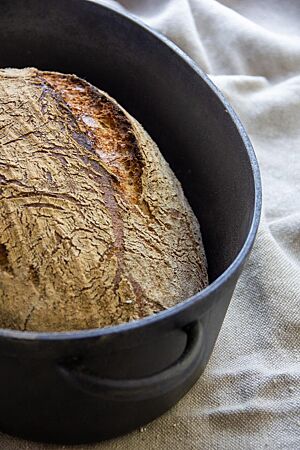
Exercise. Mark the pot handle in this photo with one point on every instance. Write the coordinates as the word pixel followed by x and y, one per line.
pixel 137 389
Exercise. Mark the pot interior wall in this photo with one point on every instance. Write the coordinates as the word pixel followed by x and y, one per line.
pixel 147 78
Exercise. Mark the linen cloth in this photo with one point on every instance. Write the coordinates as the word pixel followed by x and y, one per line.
pixel 249 394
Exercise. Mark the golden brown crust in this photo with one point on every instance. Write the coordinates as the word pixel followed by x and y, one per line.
pixel 107 128
pixel 94 227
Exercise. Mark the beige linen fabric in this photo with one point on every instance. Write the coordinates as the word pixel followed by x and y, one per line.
pixel 249 394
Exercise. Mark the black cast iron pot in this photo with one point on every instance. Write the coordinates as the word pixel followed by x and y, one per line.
pixel 95 384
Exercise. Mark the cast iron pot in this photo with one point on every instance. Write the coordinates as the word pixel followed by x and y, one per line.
pixel 91 385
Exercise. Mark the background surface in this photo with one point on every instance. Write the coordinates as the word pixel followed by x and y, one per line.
pixel 249 395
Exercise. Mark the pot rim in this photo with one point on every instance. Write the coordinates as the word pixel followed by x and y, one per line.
pixel 231 269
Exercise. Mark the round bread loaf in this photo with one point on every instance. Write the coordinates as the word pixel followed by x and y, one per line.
pixel 94 227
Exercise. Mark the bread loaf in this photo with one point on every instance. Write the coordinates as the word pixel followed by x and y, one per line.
pixel 94 227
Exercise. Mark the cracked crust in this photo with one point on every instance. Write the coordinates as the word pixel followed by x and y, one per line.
pixel 94 227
